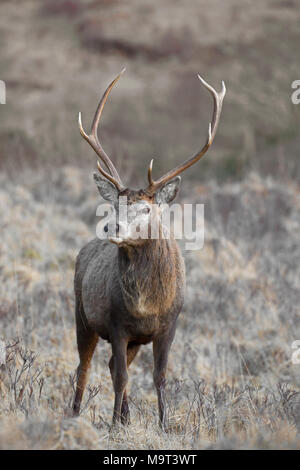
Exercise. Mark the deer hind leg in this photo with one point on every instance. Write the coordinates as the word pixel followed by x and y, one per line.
pixel 161 348
pixel 132 351
pixel 86 343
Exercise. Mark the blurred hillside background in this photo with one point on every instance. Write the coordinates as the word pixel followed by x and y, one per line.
pixel 57 56
pixel 231 380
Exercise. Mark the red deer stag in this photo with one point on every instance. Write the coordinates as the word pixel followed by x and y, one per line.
pixel 130 291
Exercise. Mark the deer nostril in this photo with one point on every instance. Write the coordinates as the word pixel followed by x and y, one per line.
pixel 106 228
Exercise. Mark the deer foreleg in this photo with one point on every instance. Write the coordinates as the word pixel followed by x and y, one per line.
pixel 118 367
pixel 132 351
pixel 161 348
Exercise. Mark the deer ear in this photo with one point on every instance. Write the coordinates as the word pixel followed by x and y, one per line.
pixel 106 189
pixel 168 192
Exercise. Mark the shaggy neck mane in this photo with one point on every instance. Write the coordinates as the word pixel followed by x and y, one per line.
pixel 148 276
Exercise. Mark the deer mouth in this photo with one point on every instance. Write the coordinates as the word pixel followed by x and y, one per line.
pixel 116 240
pixel 123 242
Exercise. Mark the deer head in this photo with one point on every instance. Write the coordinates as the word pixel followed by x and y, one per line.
pixel 142 206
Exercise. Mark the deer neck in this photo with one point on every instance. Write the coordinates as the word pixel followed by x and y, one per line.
pixel 148 276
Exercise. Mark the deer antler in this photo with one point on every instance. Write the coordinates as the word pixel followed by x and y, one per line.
pixel 212 129
pixel 92 139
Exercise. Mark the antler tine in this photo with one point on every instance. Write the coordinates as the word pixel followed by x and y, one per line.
pixel 109 177
pixel 218 99
pixel 93 140
pixel 212 129
pixel 151 182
